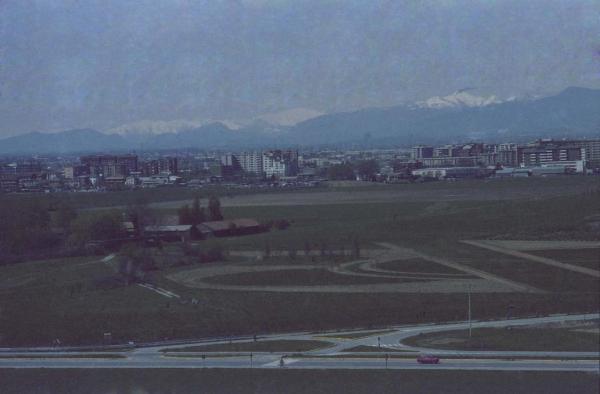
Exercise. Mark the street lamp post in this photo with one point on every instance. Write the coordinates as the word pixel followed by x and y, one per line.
pixel 470 323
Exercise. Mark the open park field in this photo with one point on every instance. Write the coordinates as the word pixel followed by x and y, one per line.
pixel 412 266
pixel 580 337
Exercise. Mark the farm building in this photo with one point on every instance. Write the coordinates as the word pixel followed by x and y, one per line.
pixel 225 228
pixel 182 232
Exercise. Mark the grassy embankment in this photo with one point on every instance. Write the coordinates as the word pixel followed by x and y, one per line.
pixel 258 346
pixel 516 338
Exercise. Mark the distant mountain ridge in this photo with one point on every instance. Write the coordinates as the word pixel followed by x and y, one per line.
pixel 461 98
pixel 573 113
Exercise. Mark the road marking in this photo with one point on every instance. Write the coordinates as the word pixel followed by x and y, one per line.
pixel 161 291
pixel 108 258
pixel 277 363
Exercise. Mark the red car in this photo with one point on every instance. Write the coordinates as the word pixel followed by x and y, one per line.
pixel 428 359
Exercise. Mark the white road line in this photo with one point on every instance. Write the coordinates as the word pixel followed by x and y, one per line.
pixel 108 258
pixel 161 291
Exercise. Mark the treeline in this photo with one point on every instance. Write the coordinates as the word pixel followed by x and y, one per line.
pixel 196 214
pixel 45 227
pixel 348 171
pixel 42 228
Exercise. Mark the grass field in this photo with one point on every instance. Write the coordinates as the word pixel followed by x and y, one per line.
pixel 540 275
pixel 371 349
pixel 299 277
pixel 588 258
pixel 102 381
pixel 258 346
pixel 516 338
pixel 73 298
pixel 418 266
pixel 357 335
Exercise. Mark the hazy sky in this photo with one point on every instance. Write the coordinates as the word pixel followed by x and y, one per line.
pixel 74 64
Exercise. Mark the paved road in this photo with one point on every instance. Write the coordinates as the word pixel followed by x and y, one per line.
pixel 330 357
pixel 305 363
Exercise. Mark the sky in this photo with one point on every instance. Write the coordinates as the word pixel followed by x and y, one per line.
pixel 100 64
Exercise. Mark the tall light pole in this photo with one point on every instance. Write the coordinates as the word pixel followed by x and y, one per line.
pixel 470 323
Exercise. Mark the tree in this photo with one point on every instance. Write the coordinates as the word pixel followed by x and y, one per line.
pixel 306 248
pixel 323 249
pixel 25 226
pixel 367 169
pixel 135 262
pixel 340 172
pixel 356 247
pixel 214 208
pixel 197 212
pixel 98 227
pixel 282 224
pixel 292 252
pixel 185 214
pixel 140 215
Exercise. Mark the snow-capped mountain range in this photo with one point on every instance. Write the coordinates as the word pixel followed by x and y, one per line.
pixel 276 121
pixel 459 117
pixel 459 99
pixel 270 122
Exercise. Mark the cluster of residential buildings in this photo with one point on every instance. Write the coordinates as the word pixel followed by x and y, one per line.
pixel 289 167
pixel 542 157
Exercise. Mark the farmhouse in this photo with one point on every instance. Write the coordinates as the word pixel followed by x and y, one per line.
pixel 225 228
pixel 181 232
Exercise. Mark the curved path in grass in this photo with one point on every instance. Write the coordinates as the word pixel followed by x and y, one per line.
pixel 415 283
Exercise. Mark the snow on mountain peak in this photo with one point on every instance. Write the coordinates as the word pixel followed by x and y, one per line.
pixel 458 99
pixel 162 127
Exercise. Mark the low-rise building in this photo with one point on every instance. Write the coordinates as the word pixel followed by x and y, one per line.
pixel 226 228
pixel 450 172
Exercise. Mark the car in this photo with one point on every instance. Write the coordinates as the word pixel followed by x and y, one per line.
pixel 428 359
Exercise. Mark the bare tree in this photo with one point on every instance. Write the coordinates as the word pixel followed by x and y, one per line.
pixel 356 247
pixel 292 252
pixel 306 248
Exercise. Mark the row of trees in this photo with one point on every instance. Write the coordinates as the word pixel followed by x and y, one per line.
pixel 196 214
pixel 322 249
pixel 30 225
pixel 347 171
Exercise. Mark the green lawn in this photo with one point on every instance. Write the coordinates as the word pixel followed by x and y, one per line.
pixel 298 277
pixel 258 346
pixel 357 335
pixel 504 339
pixel 44 300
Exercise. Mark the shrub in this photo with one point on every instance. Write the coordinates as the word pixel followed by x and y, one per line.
pixel 282 224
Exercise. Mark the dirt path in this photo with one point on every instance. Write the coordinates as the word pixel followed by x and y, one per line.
pixel 485 275
pixel 524 246
pixel 195 278
pixel 544 260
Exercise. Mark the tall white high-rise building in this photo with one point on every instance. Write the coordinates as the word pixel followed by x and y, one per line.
pixel 251 162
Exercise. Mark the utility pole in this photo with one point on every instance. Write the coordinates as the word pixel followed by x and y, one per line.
pixel 470 323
